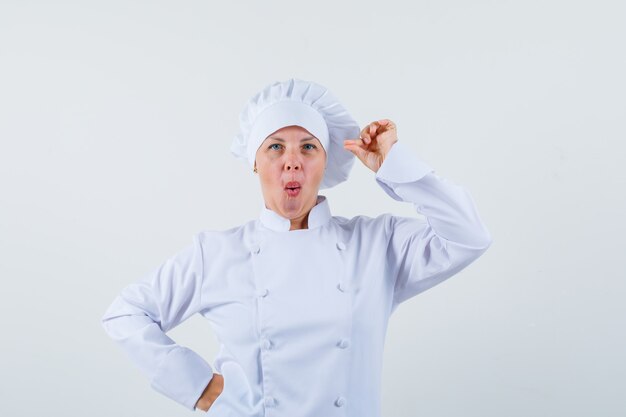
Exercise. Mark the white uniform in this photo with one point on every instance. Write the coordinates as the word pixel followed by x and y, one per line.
pixel 301 315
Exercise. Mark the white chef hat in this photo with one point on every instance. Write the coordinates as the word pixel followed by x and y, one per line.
pixel 302 103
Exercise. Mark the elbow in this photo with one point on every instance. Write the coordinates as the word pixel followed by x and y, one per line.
pixel 110 319
pixel 105 322
pixel 477 238
pixel 484 239
pixel 480 239
pixel 487 238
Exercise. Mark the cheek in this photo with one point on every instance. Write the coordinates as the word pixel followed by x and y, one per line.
pixel 320 167
pixel 314 172
pixel 271 178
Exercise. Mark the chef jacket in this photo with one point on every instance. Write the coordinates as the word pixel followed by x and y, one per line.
pixel 300 315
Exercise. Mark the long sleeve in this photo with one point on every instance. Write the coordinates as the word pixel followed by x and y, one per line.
pixel 422 253
pixel 139 317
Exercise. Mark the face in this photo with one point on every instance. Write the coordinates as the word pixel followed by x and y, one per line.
pixel 290 164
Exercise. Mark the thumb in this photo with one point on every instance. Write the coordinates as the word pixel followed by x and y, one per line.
pixel 356 150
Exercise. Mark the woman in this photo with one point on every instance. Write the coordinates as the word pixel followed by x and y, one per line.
pixel 299 299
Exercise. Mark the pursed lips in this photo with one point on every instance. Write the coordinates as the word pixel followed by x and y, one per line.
pixel 291 185
pixel 292 188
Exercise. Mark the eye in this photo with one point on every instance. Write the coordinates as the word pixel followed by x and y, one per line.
pixel 274 144
pixel 312 146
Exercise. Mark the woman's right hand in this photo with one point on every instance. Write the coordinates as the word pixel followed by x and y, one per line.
pixel 211 392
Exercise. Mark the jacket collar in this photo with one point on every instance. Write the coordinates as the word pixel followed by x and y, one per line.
pixel 318 216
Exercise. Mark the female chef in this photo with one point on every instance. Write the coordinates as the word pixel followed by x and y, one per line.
pixel 299 299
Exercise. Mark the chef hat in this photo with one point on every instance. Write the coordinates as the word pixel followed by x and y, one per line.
pixel 302 103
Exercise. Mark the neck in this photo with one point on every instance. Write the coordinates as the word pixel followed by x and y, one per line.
pixel 300 222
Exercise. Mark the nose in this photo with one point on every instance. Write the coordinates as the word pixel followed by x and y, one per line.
pixel 295 166
pixel 292 163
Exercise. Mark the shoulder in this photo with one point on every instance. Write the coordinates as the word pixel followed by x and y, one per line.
pixel 225 239
pixel 385 223
pixel 364 224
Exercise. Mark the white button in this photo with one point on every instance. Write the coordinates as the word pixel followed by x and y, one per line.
pixel 339 402
pixel 270 401
pixel 255 248
pixel 266 344
pixel 343 343
pixel 341 245
pixel 262 292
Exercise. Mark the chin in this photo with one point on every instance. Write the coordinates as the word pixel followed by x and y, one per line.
pixel 294 205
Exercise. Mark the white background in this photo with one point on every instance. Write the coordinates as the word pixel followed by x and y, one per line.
pixel 116 119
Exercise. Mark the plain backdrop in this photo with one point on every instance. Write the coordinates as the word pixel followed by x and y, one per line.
pixel 116 119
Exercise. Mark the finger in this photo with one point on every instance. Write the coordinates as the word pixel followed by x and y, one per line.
pixel 365 131
pixel 359 143
pixel 373 127
pixel 386 124
pixel 365 139
pixel 357 151
pixel 355 142
pixel 352 147
pixel 365 135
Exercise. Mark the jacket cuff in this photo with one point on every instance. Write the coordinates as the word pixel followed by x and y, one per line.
pixel 400 166
pixel 182 376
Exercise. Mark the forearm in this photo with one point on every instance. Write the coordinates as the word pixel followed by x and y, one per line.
pixel 448 207
pixel 144 311
pixel 173 370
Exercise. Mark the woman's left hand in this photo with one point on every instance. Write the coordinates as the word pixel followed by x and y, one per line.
pixel 374 143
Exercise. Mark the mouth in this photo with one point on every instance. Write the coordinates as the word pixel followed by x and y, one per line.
pixel 293 188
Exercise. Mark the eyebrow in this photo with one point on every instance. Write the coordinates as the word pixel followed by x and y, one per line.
pixel 282 140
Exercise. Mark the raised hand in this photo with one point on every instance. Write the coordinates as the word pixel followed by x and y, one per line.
pixel 375 141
